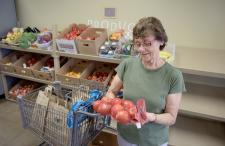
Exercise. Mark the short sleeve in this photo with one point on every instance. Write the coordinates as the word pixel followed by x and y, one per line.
pixel 177 83
pixel 121 69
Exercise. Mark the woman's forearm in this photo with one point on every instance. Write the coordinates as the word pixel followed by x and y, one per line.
pixel 115 87
pixel 172 106
pixel 164 119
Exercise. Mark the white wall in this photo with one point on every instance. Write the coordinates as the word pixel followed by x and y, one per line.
pixel 189 23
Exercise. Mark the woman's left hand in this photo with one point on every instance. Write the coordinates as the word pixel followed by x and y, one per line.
pixel 150 117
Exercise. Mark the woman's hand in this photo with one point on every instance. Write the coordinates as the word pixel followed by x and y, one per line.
pixel 110 94
pixel 115 87
pixel 150 117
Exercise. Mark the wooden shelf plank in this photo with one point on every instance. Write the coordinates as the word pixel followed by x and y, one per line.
pixel 204 101
pixel 195 132
pixel 26 77
pixel 206 62
pixel 33 50
pixel 188 131
pixel 90 57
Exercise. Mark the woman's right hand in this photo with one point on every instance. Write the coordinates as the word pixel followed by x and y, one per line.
pixel 115 87
pixel 110 94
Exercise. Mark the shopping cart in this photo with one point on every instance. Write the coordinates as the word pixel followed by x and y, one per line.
pixel 50 121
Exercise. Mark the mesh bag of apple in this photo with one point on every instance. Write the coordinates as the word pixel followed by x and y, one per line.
pixel 123 111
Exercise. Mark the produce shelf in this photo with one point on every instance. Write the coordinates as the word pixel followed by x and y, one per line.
pixel 204 101
pixel 32 50
pixel 189 131
pixel 197 132
pixel 90 57
pixel 26 77
pixel 205 62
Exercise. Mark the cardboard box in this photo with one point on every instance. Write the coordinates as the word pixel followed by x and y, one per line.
pixel 99 67
pixel 7 63
pixel 20 84
pixel 91 47
pixel 50 76
pixel 76 65
pixel 20 69
pixel 105 139
pixel 65 45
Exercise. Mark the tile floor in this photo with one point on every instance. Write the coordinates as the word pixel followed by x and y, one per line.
pixel 11 131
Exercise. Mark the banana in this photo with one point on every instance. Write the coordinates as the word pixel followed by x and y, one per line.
pixel 165 55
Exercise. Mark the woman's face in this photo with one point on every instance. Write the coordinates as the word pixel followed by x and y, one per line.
pixel 148 48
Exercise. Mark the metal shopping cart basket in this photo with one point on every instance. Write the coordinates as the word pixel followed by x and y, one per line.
pixel 69 123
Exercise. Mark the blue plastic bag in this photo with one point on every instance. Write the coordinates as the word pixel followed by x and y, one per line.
pixel 82 105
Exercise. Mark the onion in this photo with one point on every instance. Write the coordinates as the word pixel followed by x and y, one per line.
pixel 104 108
pixel 116 101
pixel 127 104
pixel 106 99
pixel 123 117
pixel 132 111
pixel 95 105
pixel 115 109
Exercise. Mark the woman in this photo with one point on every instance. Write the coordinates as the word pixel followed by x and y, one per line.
pixel 152 78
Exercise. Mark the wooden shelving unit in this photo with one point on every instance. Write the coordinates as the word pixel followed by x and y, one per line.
pixel 89 57
pixel 201 119
pixel 32 50
pixel 5 85
pixel 26 77
pixel 203 62
pixel 204 101
pixel 197 132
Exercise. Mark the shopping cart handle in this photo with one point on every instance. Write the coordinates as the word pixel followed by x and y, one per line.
pixel 87 113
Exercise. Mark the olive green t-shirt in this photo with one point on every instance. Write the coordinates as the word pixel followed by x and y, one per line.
pixel 154 86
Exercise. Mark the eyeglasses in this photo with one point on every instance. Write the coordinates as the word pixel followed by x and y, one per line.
pixel 137 45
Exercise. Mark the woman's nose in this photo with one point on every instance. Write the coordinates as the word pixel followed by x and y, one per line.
pixel 141 49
